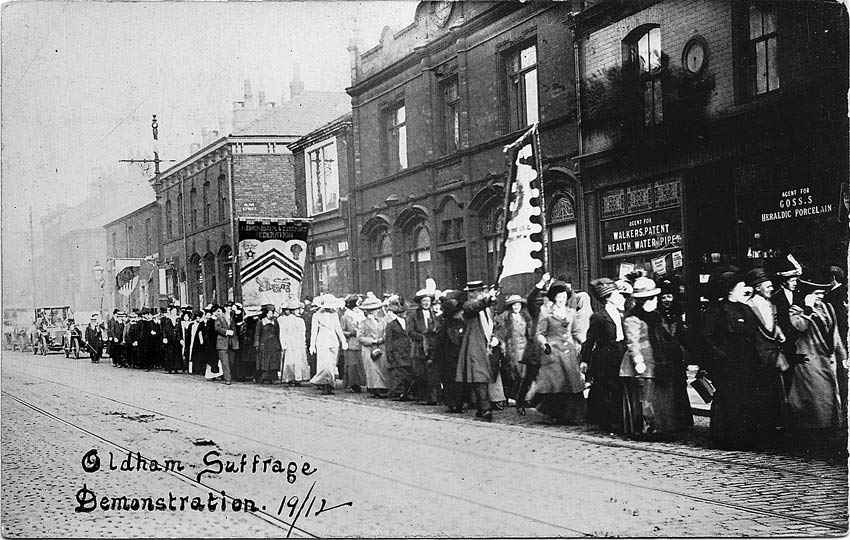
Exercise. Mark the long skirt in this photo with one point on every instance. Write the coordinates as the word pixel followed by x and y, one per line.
pixel 496 391
pixel 326 368
pixel 401 380
pixel 295 366
pixel 605 403
pixel 564 407
pixel 376 370
pixel 354 374
pixel 651 406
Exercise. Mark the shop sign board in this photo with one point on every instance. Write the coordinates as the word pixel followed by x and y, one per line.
pixel 790 204
pixel 653 231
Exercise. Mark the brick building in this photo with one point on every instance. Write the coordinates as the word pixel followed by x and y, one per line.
pixel 134 237
pixel 248 174
pixel 713 133
pixel 433 106
pixel 323 162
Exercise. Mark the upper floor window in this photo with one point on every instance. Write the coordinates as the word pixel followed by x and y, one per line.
pixel 382 255
pixel 148 237
pixel 168 217
pixel 522 86
pixel 193 206
pixel 492 225
pixel 451 116
pixel 322 178
pixel 129 241
pixel 763 50
pixel 180 215
pixel 420 256
pixel 645 57
pixel 395 139
pixel 114 244
pixel 207 204
pixel 222 197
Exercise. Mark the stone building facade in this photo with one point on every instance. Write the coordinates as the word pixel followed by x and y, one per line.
pixel 134 236
pixel 713 133
pixel 433 106
pixel 323 163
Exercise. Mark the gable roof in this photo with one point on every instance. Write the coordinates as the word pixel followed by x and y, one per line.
pixel 300 115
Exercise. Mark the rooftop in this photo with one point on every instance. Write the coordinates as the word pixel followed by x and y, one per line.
pixel 301 115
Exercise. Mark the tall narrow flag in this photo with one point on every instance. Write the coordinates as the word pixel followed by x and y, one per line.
pixel 522 201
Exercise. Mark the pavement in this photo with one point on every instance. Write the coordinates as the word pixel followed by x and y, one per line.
pixel 376 467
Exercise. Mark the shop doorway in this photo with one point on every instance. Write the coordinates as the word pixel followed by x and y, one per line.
pixel 454 262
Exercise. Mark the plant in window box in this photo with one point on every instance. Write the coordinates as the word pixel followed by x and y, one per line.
pixel 637 107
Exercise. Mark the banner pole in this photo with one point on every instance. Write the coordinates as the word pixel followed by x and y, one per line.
pixel 545 232
pixel 511 152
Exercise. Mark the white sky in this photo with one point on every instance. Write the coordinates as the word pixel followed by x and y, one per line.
pixel 80 80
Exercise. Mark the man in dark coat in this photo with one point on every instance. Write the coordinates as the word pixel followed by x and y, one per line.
pixel 474 369
pixel 786 295
pixel 115 334
pixel 94 339
pixel 601 355
pixel 227 342
pixel 149 340
pixel 237 321
pixel 131 340
pixel 399 363
pixel 447 349
pixel 209 348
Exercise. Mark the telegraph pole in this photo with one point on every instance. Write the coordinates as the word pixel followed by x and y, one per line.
pixel 32 261
pixel 156 161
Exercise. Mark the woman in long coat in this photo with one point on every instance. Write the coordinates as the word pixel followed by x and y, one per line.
pixel 267 345
pixel 295 366
pixel 399 363
pixel 734 366
pixel 651 369
pixel 813 399
pixel 326 337
pixel 447 349
pixel 353 377
pixel 195 347
pixel 559 385
pixel 514 328
pixel 371 338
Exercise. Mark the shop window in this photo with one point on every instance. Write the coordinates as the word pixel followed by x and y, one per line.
pixel 322 178
pixel 395 139
pixel 521 67
pixel 762 50
pixel 639 198
pixel 451 116
pixel 613 203
pixel 644 55
pixel 420 256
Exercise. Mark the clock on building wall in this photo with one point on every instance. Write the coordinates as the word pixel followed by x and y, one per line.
pixel 442 11
pixel 695 55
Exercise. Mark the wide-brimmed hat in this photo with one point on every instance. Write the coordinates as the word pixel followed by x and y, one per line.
pixel 351 300
pixel 756 276
pixel 815 279
pixel 95 316
pixel 396 307
pixel 788 267
pixel 557 287
pixel 644 287
pixel 371 303
pixel 602 288
pixel 624 287
pixel 422 293
pixel 328 301
pixel 294 304
pixel 476 285
pixel 514 299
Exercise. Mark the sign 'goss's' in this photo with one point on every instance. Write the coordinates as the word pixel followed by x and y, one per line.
pixel 272 254
pixel 652 231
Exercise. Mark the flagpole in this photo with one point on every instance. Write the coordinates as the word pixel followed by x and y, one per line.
pixel 506 209
pixel 545 232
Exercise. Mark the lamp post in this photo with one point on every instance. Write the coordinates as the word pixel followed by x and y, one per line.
pixel 97 272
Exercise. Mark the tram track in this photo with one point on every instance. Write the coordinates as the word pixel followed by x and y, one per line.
pixel 690 496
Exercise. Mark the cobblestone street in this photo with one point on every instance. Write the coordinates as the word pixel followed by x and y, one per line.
pixel 406 470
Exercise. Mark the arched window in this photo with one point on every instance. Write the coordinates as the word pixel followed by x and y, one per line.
pixel 419 254
pixel 207 203
pixel 561 227
pixel 382 254
pixel 168 225
pixel 492 226
pixel 644 54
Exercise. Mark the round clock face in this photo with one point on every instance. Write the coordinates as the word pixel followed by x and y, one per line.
pixel 694 57
pixel 442 10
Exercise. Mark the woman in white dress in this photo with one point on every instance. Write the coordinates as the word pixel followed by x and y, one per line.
pixel 292 331
pixel 326 338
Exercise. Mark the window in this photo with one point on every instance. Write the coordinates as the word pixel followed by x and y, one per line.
pixel 180 214
pixel 522 86
pixel 763 50
pixel 129 240
pixel 396 139
pixel 451 116
pixel 168 226
pixel 322 178
pixel 222 197
pixel 193 203
pixel 114 244
pixel 382 254
pixel 148 238
pixel 492 230
pixel 420 256
pixel 645 57
pixel 207 204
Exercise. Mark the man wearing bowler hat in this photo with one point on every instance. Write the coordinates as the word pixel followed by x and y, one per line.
pixel 473 367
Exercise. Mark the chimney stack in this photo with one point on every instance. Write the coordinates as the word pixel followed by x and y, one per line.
pixel 248 98
pixel 297 85
pixel 261 98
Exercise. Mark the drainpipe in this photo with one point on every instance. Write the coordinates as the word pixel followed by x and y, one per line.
pixel 577 68
pixel 237 288
pixel 183 228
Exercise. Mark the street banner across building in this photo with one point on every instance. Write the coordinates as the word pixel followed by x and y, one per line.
pixel 272 254
pixel 127 275
pixel 522 254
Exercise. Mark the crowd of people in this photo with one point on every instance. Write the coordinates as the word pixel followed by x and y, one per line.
pixel 776 357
